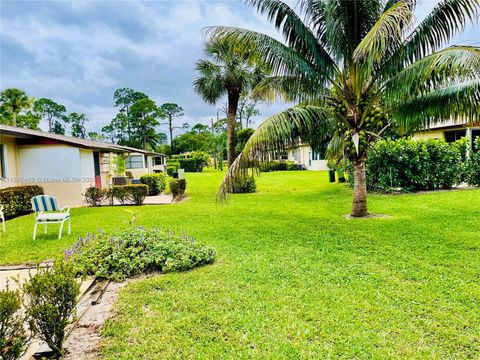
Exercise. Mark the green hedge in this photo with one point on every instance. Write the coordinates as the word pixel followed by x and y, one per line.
pixel 193 162
pixel 279 166
pixel 472 166
pixel 16 200
pixel 412 165
pixel 155 182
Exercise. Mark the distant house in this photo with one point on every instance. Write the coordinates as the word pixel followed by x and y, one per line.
pixel 304 155
pixel 450 132
pixel 64 166
pixel 140 163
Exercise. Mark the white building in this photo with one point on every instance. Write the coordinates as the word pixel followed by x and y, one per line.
pixel 304 155
pixel 63 166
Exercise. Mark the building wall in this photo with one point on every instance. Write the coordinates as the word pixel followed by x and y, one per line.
pixel 303 155
pixel 56 168
pixel 431 134
pixel 87 170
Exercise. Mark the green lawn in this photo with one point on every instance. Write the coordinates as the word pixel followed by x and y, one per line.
pixel 294 278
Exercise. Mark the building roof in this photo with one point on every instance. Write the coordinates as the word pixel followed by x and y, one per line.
pixel 29 134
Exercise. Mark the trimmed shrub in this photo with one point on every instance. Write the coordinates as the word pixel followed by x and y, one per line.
pixel 16 200
pixel 177 187
pixel 279 166
pixel 13 337
pixel 129 194
pixel 193 162
pixel 472 166
pixel 52 298
pixel 155 182
pixel 245 185
pixel 172 166
pixel 412 165
pixel 130 252
pixel 94 196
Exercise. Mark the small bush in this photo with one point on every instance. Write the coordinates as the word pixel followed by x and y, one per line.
pixel 131 252
pixel 13 337
pixel 193 162
pixel 156 183
pixel 245 185
pixel 94 196
pixel 177 187
pixel 17 200
pixel 129 194
pixel 472 166
pixel 51 300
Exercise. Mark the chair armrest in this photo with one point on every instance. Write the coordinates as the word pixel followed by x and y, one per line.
pixel 65 209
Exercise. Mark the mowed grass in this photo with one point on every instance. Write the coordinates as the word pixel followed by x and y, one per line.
pixel 294 278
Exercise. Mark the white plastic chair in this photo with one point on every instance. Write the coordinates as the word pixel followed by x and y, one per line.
pixel 2 217
pixel 47 211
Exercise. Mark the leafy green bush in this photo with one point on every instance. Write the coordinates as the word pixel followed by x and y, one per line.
pixel 51 302
pixel 13 337
pixel 16 200
pixel 412 165
pixel 129 194
pixel 156 183
pixel 94 196
pixel 177 187
pixel 172 166
pixel 193 162
pixel 472 166
pixel 279 166
pixel 245 185
pixel 130 252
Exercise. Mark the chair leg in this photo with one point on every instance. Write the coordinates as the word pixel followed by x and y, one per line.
pixel 68 226
pixel 61 228
pixel 35 231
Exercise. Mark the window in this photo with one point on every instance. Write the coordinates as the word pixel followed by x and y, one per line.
pixel 158 160
pixel 134 162
pixel 454 135
pixel 475 133
pixel 2 162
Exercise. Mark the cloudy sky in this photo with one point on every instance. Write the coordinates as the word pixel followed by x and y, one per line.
pixel 78 52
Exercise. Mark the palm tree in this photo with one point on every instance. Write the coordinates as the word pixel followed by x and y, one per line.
pixel 226 73
pixel 355 68
pixel 13 101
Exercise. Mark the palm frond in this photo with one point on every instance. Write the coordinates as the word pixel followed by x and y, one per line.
pixel 282 60
pixel 386 33
pixel 297 35
pixel 448 18
pixel 443 68
pixel 210 83
pixel 460 102
pixel 288 89
pixel 347 22
pixel 274 135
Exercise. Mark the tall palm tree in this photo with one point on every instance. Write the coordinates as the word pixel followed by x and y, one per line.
pixel 355 68
pixel 226 73
pixel 13 101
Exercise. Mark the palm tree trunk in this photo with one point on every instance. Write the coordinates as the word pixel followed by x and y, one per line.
pixel 233 98
pixel 359 207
